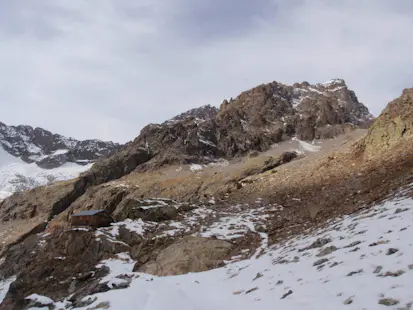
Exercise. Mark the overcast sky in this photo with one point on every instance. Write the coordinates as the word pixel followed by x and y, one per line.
pixel 105 68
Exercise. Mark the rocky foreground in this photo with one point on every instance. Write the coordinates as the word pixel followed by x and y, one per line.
pixel 287 227
pixel 361 261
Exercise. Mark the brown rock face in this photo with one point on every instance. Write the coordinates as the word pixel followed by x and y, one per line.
pixel 190 254
pixel 394 125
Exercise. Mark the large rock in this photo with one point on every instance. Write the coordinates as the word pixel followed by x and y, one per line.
pixel 190 254
pixel 394 125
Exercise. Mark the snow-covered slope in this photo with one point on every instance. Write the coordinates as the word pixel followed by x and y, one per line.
pixel 362 261
pixel 17 175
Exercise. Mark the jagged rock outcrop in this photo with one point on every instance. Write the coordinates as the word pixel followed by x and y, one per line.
pixel 206 112
pixel 394 125
pixel 50 150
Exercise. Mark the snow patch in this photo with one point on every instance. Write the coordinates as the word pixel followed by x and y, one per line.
pixel 306 147
pixel 43 300
pixel 195 167
pixel 4 287
pixel 122 264
pixel 207 143
pixel 59 152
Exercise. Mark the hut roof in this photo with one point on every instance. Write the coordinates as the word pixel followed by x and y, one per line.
pixel 88 212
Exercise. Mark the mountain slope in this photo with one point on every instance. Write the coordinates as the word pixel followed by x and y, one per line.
pixel 359 261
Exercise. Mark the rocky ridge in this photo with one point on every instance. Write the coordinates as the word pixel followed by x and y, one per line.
pixel 48 150
pixel 256 120
pixel 205 113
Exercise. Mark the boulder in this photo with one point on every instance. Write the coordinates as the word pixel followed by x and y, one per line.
pixel 190 254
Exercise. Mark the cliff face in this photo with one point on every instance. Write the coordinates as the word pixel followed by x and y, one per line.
pixel 393 126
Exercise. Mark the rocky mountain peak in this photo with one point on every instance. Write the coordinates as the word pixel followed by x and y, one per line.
pixel 255 120
pixel 206 112
pixel 48 150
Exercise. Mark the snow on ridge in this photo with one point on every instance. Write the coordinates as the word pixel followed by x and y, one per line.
pixel 59 152
pixel 333 81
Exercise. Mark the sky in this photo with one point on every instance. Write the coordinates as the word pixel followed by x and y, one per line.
pixel 104 69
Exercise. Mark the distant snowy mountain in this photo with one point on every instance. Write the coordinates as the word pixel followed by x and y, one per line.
pixel 33 157
pixel 17 175
pixel 48 150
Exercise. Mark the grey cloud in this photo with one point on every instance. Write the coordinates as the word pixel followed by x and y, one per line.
pixel 213 19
